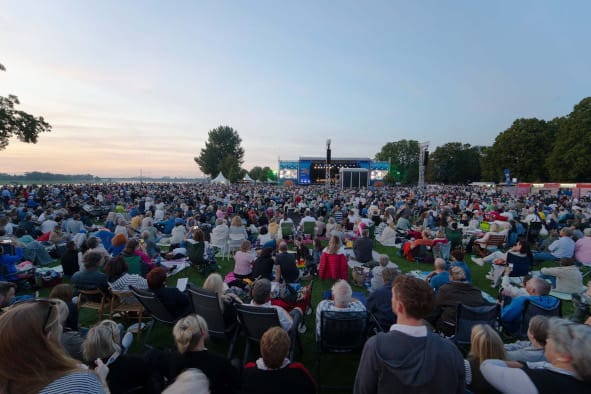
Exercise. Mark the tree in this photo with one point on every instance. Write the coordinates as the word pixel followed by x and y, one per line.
pixel 223 142
pixel 230 167
pixel 454 163
pixel 20 124
pixel 403 156
pixel 516 147
pixel 570 158
pixel 256 173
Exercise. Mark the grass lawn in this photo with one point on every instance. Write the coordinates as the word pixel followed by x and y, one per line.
pixel 336 369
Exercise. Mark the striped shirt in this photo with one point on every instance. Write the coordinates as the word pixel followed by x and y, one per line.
pixel 79 382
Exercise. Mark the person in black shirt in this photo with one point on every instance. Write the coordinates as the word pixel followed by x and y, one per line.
pixel 263 265
pixel 285 265
pixel 176 303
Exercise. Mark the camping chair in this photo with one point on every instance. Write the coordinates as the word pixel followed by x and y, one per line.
pixel 521 265
pixel 469 316
pixel 92 299
pixel 135 265
pixel 531 309
pixel 255 320
pixel 207 305
pixel 533 232
pixel 287 230
pixel 454 237
pixel 495 242
pixel 120 305
pixel 442 250
pixel 309 228
pixel 340 332
pixel 234 241
pixel 196 254
pixel 155 308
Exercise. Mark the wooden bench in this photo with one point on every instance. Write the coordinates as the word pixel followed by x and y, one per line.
pixel 496 240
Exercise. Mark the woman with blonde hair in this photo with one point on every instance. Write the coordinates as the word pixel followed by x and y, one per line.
pixel 333 263
pixel 33 358
pixel 189 334
pixel 215 283
pixel 485 343
pixel 126 371
pixel 243 261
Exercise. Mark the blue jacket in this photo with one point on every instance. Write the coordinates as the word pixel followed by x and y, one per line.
pixel 9 262
pixel 513 311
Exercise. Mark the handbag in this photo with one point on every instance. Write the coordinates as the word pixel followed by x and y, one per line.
pixel 358 275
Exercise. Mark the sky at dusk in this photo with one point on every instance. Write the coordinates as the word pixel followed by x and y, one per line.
pixel 136 85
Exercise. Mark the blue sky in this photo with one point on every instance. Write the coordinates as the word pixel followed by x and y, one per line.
pixel 130 85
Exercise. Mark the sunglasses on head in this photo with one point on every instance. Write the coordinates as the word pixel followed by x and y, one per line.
pixel 51 304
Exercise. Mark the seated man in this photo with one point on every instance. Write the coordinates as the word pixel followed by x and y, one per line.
pixel 538 290
pixel 439 276
pixel 261 296
pixel 342 300
pixel 286 269
pixel 379 302
pixel 410 358
pixel 363 248
pixel 457 291
pixel 562 247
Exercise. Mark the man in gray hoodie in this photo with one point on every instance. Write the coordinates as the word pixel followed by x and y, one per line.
pixel 410 358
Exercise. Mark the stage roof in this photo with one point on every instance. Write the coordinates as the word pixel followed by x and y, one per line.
pixel 319 158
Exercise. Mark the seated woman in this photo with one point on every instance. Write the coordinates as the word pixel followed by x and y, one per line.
pixel 91 278
pixel 485 343
pixel 498 259
pixel 273 372
pixel 126 371
pixel 532 350
pixel 568 351
pixel 566 278
pixel 243 261
pixel 342 301
pixel 320 228
pixel 478 244
pixel 263 265
pixel 174 301
pixel 215 283
pixel 190 334
pixel 137 248
pixel 38 362
pixel 333 262
pixel 65 292
pixel 388 235
pixel 151 249
pixel 118 243
pixel 70 259
pixel 120 280
pixel 56 236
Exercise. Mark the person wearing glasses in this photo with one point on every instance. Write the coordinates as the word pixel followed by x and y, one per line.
pixel 37 362
pixel 568 369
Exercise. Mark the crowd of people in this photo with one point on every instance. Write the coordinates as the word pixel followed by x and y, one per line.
pixel 111 236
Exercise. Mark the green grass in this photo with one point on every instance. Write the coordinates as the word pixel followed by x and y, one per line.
pixel 336 369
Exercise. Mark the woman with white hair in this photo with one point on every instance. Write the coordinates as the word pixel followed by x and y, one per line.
pixel 342 300
pixel 568 351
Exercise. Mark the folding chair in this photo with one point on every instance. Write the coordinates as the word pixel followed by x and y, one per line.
pixel 340 332
pixel 120 305
pixel 309 228
pixel 287 230
pixel 255 320
pixel 92 299
pixel 532 309
pixel 207 305
pixel 469 316
pixel 155 308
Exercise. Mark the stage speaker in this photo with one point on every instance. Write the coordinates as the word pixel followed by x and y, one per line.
pixel 328 156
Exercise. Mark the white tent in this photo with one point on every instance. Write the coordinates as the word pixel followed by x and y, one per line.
pixel 247 178
pixel 220 179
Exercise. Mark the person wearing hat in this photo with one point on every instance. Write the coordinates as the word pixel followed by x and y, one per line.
pixel 583 248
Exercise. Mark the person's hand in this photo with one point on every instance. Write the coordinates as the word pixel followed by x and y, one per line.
pixel 514 364
pixel 101 369
pixel 507 270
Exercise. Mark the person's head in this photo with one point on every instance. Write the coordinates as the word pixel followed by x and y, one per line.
pixel 537 286
pixel 439 264
pixel 274 347
pixel 245 246
pixel 31 350
pixel 412 298
pixel 537 331
pixel 215 283
pixel 261 291
pixel 317 243
pixel 131 246
pixel 71 246
pixel 63 291
pixel 587 232
pixel 92 242
pixel 101 341
pixel 334 244
pixel 524 246
pixel 92 259
pixel 457 274
pixel 7 292
pixel 118 240
pixel 365 233
pixel 565 232
pixel 219 222
pixel 190 333
pixel 485 343
pixel 567 261
pixel 190 381
pixel 457 255
pixel 569 346
pixel 341 293
pixel 389 274
pixel 283 246
pixel 198 235
pixel 156 278
pixel 236 221
pixel 115 267
pixel 383 260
